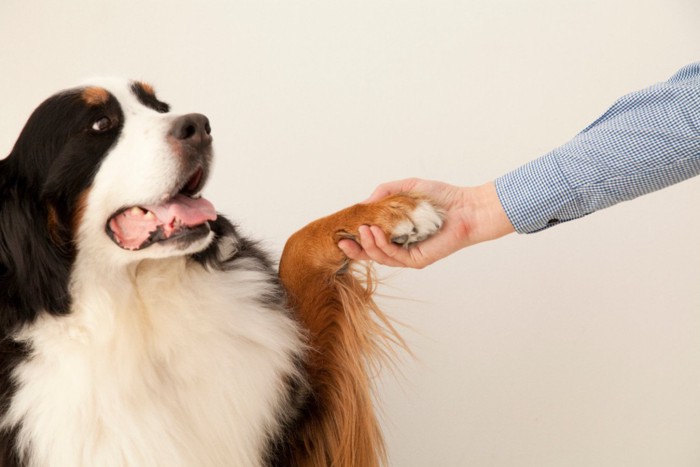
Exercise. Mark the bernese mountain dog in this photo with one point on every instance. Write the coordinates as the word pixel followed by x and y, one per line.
pixel 139 328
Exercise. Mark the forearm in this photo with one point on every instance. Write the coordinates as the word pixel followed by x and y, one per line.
pixel 646 141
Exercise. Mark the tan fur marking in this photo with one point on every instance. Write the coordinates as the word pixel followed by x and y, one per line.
pixel 347 332
pixel 147 88
pixel 57 232
pixel 79 211
pixel 95 96
pixel 53 225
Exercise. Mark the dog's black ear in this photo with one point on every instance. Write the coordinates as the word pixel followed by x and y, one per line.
pixel 34 272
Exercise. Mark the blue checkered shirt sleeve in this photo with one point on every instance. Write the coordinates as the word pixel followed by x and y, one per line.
pixel 646 141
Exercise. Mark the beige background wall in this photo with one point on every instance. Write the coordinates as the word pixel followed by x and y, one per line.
pixel 578 346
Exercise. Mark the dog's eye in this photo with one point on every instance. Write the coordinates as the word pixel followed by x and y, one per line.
pixel 102 124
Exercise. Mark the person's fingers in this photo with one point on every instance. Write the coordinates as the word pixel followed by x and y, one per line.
pixel 375 246
pixel 394 254
pixel 368 240
pixel 353 250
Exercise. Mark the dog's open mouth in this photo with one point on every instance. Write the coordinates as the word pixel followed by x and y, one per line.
pixel 182 217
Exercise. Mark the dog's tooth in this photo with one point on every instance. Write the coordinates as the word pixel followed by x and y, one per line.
pixel 149 216
pixel 136 211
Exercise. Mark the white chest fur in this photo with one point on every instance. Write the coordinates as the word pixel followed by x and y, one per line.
pixel 167 365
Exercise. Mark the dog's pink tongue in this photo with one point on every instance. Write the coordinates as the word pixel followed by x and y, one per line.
pixel 134 226
pixel 189 211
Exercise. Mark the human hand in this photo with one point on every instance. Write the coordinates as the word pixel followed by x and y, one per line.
pixel 473 215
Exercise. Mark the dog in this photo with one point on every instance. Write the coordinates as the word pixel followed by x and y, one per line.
pixel 139 328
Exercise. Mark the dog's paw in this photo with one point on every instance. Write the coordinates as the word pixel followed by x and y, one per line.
pixel 405 218
pixel 420 223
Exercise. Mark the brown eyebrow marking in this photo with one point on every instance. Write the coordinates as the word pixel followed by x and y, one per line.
pixel 146 87
pixel 146 95
pixel 94 96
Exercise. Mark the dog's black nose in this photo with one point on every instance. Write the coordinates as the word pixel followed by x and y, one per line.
pixel 193 129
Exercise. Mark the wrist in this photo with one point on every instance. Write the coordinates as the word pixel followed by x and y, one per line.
pixel 491 220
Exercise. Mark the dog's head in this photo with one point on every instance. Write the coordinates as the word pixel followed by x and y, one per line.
pixel 103 170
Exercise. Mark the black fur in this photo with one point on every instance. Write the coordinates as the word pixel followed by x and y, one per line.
pixel 11 353
pixel 302 403
pixel 53 162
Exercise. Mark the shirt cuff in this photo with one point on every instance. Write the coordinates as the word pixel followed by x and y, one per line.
pixel 537 196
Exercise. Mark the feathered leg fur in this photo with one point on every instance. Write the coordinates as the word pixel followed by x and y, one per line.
pixel 347 332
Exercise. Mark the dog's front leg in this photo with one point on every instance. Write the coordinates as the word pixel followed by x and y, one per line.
pixel 346 329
